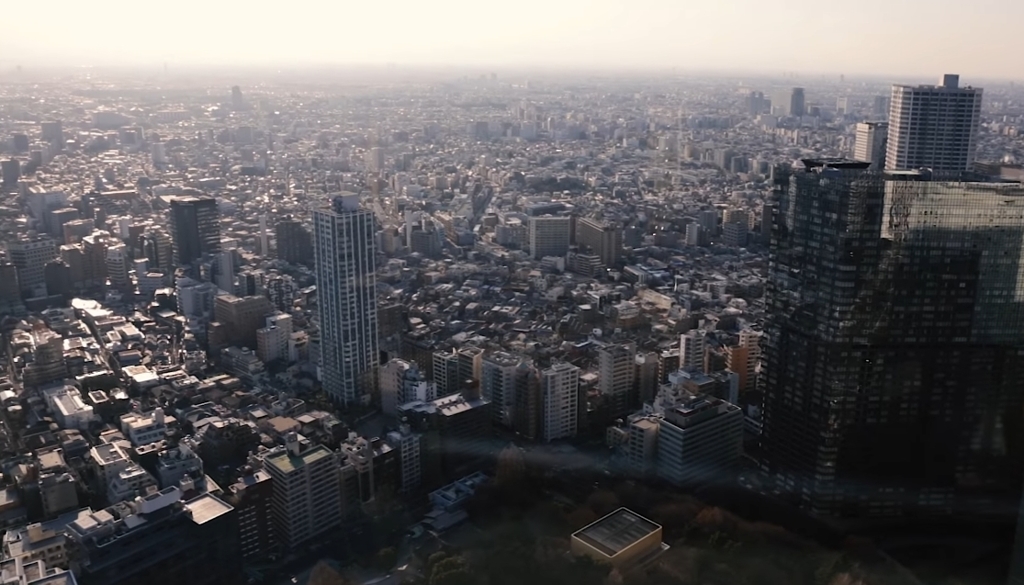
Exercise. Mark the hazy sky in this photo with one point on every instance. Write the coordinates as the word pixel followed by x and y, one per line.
pixel 980 38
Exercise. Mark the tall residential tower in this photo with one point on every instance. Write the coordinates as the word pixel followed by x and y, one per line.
pixel 933 126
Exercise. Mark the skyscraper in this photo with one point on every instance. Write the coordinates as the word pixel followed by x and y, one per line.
pixel 343 237
pixel 893 352
pixel 870 143
pixel 195 228
pixel 933 126
pixel 797 105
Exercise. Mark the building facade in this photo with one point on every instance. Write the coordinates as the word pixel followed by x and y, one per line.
pixel 896 344
pixel 933 126
pixel 347 296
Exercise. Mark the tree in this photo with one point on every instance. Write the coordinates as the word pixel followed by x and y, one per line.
pixel 580 517
pixel 603 502
pixel 324 574
pixel 385 558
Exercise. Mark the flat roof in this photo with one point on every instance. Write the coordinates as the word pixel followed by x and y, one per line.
pixel 617 531
pixel 286 462
pixel 206 507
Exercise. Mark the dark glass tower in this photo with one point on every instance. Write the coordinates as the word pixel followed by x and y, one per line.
pixel 895 342
pixel 195 228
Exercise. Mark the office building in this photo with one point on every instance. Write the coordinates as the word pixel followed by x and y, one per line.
pixel 294 242
pixel 143 429
pixel 30 255
pixel 698 439
pixel 10 288
pixel 455 431
pixel 241 317
pixel 602 238
pixel 10 172
pixel 347 296
pixel 307 493
pixel 157 539
pixel 52 133
pixel 870 143
pixel 734 234
pixel 195 229
pixel 549 236
pixel 911 350
pixel 790 102
pixel 616 364
pixel 157 247
pixel 497 385
pixel 560 387
pixel 933 126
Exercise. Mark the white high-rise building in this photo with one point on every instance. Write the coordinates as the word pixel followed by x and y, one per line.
pixel 549 236
pixel 870 143
pixel 375 159
pixel 498 383
pixel 307 491
pixel 343 241
pixel 691 350
pixel 933 126
pixel 560 385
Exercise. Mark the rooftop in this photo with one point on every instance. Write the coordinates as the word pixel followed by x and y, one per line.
pixel 205 508
pixel 617 531
pixel 285 462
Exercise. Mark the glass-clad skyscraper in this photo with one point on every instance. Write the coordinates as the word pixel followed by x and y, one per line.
pixel 343 239
pixel 894 355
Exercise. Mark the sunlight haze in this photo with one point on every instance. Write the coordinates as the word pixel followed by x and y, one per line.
pixel 882 37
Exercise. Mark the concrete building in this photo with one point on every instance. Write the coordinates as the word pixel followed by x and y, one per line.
pixel 603 238
pixel 497 385
pixel 401 382
pixel 294 242
pixel 549 236
pixel 253 498
pixel 560 387
pixel 30 255
pixel 143 429
pixel 698 439
pixel 409 446
pixel 617 373
pixel 241 317
pixel 621 539
pixel 933 126
pixel 870 143
pixel 307 493
pixel 195 228
pixel 157 539
pixel 691 350
pixel 346 269
pixel 274 341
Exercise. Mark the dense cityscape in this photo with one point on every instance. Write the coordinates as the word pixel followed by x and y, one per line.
pixel 469 327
